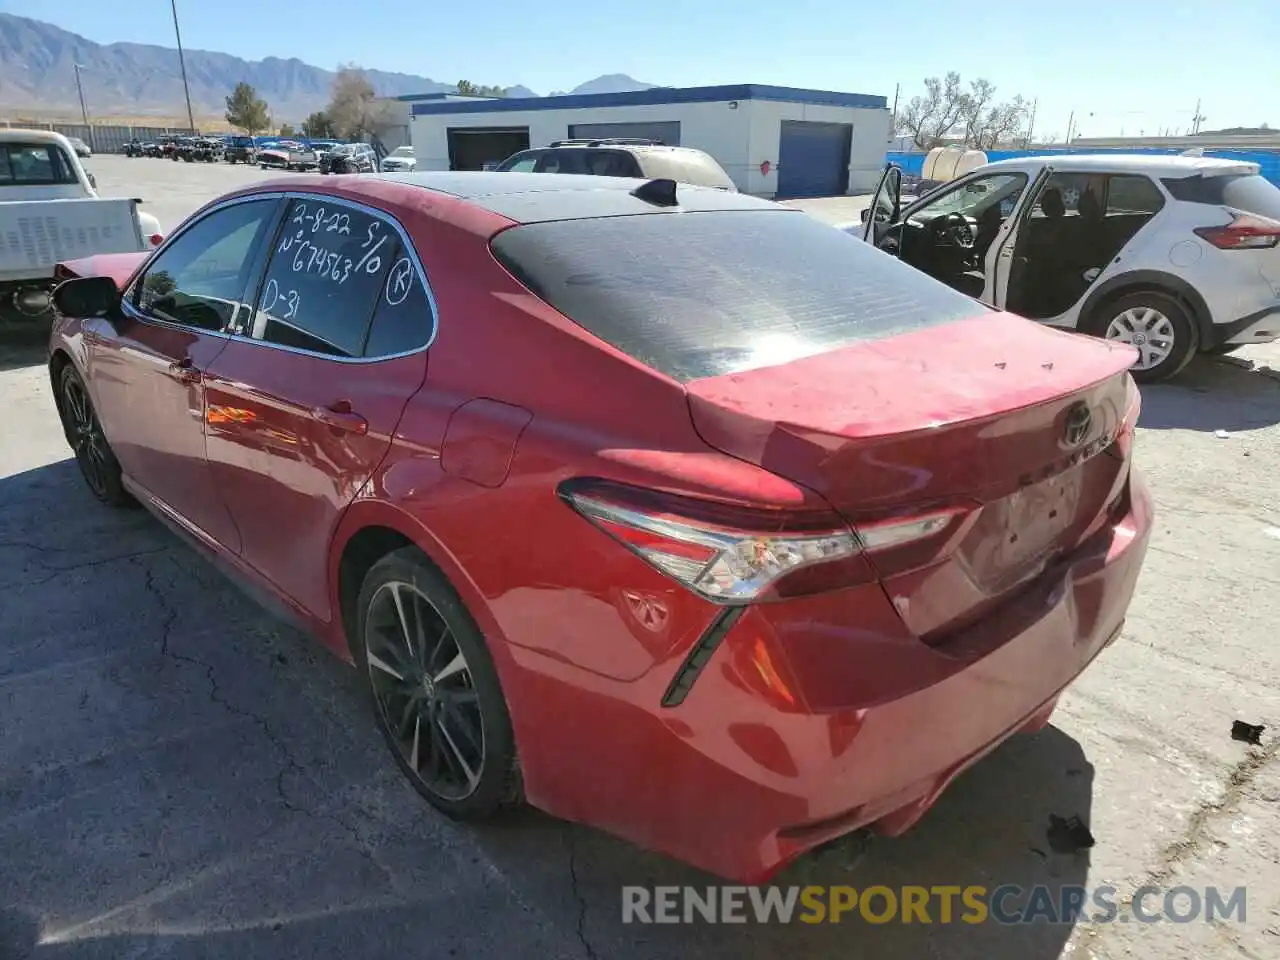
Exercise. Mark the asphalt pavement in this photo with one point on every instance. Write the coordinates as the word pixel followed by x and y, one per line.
pixel 183 776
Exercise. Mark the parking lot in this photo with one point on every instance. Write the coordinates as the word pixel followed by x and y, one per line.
pixel 183 776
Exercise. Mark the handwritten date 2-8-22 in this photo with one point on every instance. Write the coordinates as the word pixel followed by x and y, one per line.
pixel 311 257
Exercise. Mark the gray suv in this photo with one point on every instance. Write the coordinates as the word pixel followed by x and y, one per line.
pixel 644 159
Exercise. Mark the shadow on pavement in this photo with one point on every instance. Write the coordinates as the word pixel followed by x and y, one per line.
pixel 1211 394
pixel 182 776
pixel 27 350
pixel 989 829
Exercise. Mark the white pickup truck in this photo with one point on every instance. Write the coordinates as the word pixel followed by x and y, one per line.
pixel 50 211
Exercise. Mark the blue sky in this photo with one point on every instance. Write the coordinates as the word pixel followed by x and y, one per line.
pixel 1135 65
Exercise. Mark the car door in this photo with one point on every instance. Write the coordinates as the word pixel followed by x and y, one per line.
pixel 881 215
pixel 1004 265
pixel 305 398
pixel 148 375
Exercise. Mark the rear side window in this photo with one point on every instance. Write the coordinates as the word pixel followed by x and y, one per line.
pixel 1126 194
pixel 1250 193
pixel 697 295
pixel 686 166
pixel 403 320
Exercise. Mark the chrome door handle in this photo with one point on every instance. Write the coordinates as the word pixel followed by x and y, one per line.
pixel 185 371
pixel 340 416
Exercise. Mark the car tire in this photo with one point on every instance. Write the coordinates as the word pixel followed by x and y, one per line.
pixel 437 724
pixel 1154 322
pixel 98 464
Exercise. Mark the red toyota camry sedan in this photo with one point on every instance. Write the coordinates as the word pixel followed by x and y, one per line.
pixel 665 509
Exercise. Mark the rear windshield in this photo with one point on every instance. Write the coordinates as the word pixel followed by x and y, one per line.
pixel 23 164
pixel 697 295
pixel 1250 193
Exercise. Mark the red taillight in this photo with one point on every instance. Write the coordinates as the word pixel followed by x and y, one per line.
pixel 156 239
pixel 734 555
pixel 1244 232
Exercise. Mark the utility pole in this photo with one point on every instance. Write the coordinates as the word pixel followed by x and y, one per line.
pixel 1031 127
pixel 1197 120
pixel 893 131
pixel 182 62
pixel 1070 123
pixel 84 113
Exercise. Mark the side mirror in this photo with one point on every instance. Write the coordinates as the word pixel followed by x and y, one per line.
pixel 86 297
pixel 865 215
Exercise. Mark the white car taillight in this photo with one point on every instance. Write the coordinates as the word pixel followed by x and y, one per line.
pixel 1244 232
pixel 733 556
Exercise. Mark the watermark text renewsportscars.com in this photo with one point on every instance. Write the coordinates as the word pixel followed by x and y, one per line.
pixel 1008 904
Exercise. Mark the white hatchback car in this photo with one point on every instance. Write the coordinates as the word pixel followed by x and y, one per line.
pixel 1174 255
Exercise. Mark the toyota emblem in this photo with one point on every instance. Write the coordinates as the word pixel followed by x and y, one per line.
pixel 1078 422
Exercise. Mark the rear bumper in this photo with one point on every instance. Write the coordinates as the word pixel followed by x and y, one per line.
pixel 813 718
pixel 1262 326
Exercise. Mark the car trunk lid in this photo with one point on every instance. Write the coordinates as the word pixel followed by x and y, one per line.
pixel 996 424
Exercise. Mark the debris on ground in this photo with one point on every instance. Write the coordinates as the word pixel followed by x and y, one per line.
pixel 1221 434
pixel 1247 732
pixel 1068 835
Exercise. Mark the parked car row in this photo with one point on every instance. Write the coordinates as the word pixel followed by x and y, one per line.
pixel 807 530
pixel 190 149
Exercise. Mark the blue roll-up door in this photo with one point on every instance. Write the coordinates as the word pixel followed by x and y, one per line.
pixel 813 159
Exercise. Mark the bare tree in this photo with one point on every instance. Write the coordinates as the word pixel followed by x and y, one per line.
pixel 353 110
pixel 991 124
pixel 947 111
pixel 932 118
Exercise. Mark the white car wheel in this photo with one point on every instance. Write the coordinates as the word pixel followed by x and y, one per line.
pixel 1158 327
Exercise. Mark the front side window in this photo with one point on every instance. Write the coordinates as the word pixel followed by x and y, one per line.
pixel 562 161
pixel 975 197
pixel 200 279
pixel 613 163
pixel 23 164
pixel 523 163
pixel 327 270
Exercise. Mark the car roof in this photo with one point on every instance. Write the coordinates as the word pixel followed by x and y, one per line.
pixel 518 198
pixel 1151 164
pixel 22 135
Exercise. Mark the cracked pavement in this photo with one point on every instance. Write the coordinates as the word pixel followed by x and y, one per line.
pixel 183 776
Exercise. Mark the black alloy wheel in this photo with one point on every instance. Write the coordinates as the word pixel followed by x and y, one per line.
pixel 98 464
pixel 434 687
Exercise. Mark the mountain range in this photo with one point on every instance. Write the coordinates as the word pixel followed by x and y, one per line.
pixel 38 78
